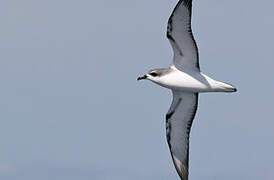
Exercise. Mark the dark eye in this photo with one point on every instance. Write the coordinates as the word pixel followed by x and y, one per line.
pixel 153 74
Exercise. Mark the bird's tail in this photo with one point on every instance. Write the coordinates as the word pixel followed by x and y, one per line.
pixel 225 87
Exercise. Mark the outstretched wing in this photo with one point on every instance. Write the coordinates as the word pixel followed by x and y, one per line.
pixel 180 35
pixel 178 124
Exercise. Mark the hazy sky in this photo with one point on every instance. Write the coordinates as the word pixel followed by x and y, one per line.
pixel 71 108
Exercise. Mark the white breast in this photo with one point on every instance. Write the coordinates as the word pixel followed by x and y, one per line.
pixel 191 82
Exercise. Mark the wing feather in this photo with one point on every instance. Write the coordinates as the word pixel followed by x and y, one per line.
pixel 179 33
pixel 178 125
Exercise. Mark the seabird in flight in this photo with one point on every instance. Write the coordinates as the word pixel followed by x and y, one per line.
pixel 186 81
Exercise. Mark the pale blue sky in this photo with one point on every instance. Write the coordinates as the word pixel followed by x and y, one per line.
pixel 71 108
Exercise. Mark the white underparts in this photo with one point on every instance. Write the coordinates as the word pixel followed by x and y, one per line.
pixel 191 82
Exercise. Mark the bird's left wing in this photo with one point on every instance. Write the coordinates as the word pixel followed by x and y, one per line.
pixel 180 35
pixel 178 124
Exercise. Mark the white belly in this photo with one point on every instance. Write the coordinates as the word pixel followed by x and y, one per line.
pixel 192 82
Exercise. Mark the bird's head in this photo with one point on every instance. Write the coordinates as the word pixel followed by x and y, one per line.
pixel 154 74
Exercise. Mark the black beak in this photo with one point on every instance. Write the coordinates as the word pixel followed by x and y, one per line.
pixel 143 77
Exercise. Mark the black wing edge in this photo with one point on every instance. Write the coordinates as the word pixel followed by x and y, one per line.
pixel 189 125
pixel 188 4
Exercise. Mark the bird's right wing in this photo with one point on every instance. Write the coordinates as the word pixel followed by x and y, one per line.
pixel 178 124
pixel 180 35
